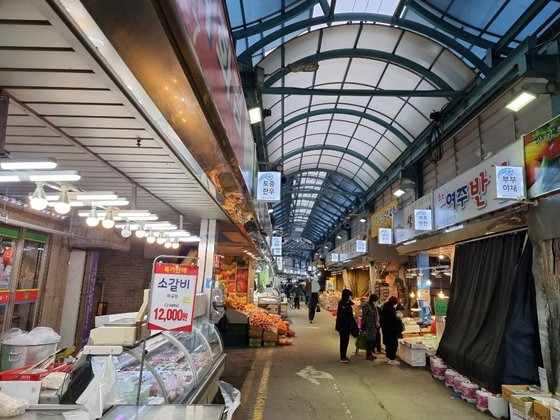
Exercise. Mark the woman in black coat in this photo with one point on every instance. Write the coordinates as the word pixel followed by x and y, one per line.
pixel 345 323
pixel 392 328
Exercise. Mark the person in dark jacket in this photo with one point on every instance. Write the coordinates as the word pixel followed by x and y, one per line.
pixel 392 329
pixel 345 322
pixel 370 325
pixel 312 306
pixel 377 305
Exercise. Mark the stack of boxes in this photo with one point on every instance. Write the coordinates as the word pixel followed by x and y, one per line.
pixel 527 402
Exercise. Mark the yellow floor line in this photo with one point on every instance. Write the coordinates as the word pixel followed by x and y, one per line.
pixel 248 384
pixel 261 395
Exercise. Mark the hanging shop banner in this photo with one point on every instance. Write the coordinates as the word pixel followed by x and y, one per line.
pixel 404 221
pixel 268 186
pixel 173 293
pixel 510 182
pixel 206 26
pixel 4 297
pixel 385 236
pixel 279 263
pixel 334 257
pixel 423 220
pixel 472 194
pixel 441 306
pixel 383 218
pixel 361 246
pixel 276 245
pixel 26 296
pixel 542 158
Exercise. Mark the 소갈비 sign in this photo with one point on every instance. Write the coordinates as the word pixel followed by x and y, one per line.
pixel 173 294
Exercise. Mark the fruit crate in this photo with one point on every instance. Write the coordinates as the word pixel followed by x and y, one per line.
pixel 413 357
pixel 255 342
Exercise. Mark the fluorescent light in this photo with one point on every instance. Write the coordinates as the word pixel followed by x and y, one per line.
pixel 15 164
pixel 89 196
pixel 409 242
pixel 255 115
pixel 163 227
pixel 150 217
pixel 54 176
pixel 189 239
pixel 134 213
pixel 363 220
pixel 520 100
pixel 9 178
pixel 178 233
pixel 398 193
pixel 453 228
pixel 120 202
pixel 72 203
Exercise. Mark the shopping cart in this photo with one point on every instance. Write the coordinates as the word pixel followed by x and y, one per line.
pixel 361 341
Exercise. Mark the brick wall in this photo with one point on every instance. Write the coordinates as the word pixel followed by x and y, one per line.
pixel 124 275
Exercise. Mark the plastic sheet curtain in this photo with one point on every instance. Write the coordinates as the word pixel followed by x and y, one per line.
pixel 491 286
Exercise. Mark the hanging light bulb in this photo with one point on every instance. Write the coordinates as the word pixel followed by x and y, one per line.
pixel 38 200
pixel 412 294
pixel 150 238
pixel 160 240
pixel 140 232
pixel 167 244
pixel 441 294
pixel 108 222
pixel 126 232
pixel 92 220
pixel 62 206
pixel 175 245
pixel 428 282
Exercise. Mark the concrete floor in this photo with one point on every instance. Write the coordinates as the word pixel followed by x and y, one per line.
pixel 307 381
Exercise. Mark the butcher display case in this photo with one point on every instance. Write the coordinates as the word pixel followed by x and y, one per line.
pixel 179 367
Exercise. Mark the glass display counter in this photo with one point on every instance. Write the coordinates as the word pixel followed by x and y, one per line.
pixel 211 334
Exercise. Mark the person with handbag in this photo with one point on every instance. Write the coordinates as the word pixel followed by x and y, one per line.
pixel 370 323
pixel 345 323
pixel 392 328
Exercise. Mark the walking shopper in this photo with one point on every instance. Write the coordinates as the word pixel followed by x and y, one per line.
pixel 312 306
pixel 370 325
pixel 345 323
pixel 378 307
pixel 297 295
pixel 392 328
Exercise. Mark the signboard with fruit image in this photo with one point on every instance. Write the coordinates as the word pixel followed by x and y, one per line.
pixel 542 158
pixel 233 275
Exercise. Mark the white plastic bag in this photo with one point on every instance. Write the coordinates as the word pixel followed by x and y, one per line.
pixel 102 392
pixel 53 380
pixel 10 407
pixel 39 335
pixel 232 398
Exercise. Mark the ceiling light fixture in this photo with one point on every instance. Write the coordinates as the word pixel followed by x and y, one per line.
pixel 270 211
pixel 92 219
pixel 521 100
pixel 108 222
pixel 150 238
pixel 167 243
pixel 179 233
pixel 47 176
pixel 160 239
pixel 90 196
pixel 428 282
pixel 118 202
pixel 134 213
pixel 255 115
pixel 62 206
pixel 9 178
pixel 126 232
pixel 363 220
pixel 189 239
pixel 140 232
pixel 398 193
pixel 441 294
pixel 441 257
pixel 175 245
pixel 39 200
pixel 27 164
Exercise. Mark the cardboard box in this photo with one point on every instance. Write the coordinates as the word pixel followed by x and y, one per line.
pixel 509 390
pixel 236 317
pixel 542 408
pixel 270 336
pixel 515 414
pixel 524 404
pixel 255 331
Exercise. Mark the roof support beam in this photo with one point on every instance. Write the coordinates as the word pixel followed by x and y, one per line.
pixel 533 10
pixel 362 92
pixel 344 111
pixel 350 152
pixel 428 32
pixel 284 16
pixel 318 192
pixel 362 53
pixel 302 172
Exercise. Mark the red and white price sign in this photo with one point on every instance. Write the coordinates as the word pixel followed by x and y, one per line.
pixel 172 297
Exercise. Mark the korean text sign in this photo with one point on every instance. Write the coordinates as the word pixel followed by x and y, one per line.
pixel 173 295
pixel 474 193
pixel 268 186
pixel 383 218
pixel 510 182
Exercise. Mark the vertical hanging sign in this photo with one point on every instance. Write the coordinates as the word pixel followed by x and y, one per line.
pixel 509 182
pixel 385 236
pixel 268 186
pixel 172 299
pixel 361 246
pixel 279 263
pixel 276 245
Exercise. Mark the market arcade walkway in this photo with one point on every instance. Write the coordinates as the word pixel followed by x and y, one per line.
pixel 307 381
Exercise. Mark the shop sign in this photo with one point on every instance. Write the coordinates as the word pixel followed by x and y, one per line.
pixel 423 220
pixel 334 257
pixel 216 261
pixel 472 194
pixel 509 180
pixel 4 297
pixel 206 26
pixel 383 218
pixel 279 263
pixel 361 246
pixel 441 306
pixel 385 236
pixel 172 299
pixel 268 186
pixel 27 296
pixel 404 220
pixel 276 245
pixel 542 158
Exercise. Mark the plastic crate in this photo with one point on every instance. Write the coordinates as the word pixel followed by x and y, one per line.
pixel 18 375
pixel 412 357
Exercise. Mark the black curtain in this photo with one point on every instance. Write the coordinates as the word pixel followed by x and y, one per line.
pixel 479 304
pixel 520 354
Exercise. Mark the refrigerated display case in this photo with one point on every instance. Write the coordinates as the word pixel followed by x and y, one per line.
pixel 179 367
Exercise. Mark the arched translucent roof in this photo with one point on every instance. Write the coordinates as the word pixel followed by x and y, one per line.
pixel 356 136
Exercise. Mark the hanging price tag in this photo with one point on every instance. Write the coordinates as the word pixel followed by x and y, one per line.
pixel 173 294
